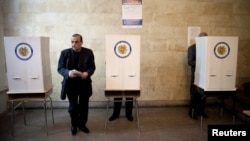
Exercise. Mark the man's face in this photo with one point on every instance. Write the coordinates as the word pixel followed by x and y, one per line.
pixel 76 43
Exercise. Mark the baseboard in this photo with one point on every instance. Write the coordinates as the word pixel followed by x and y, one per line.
pixel 103 104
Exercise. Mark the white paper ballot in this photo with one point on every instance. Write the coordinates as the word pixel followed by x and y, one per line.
pixel 78 73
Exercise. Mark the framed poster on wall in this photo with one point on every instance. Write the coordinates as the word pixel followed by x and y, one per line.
pixel 132 13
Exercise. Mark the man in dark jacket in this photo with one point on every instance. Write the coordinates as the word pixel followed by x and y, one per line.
pixel 194 95
pixel 76 65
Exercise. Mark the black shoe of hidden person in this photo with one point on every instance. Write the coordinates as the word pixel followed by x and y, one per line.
pixel 130 118
pixel 113 117
pixel 84 129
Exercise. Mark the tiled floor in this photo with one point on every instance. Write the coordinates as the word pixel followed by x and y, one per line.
pixel 159 124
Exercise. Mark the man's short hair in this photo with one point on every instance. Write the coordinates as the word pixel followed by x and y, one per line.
pixel 76 35
pixel 203 34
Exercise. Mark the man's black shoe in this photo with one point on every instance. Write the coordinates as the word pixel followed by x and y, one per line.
pixel 113 117
pixel 130 118
pixel 84 129
pixel 73 130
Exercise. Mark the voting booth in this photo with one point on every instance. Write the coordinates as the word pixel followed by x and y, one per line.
pixel 28 64
pixel 122 62
pixel 28 73
pixel 216 63
pixel 216 67
pixel 122 69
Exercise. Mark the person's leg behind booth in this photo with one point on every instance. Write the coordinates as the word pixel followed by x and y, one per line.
pixel 202 105
pixel 117 109
pixel 129 108
pixel 193 102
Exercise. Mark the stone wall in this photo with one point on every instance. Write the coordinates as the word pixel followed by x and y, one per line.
pixel 165 74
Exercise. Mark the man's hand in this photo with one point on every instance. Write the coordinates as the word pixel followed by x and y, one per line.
pixel 72 74
pixel 84 75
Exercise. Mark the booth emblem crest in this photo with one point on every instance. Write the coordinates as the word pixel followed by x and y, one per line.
pixel 122 49
pixel 23 51
pixel 221 50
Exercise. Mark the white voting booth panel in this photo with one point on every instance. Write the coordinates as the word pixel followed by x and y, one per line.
pixel 216 63
pixel 122 62
pixel 28 64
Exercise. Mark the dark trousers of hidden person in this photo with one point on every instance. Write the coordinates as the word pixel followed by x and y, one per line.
pixel 197 103
pixel 117 108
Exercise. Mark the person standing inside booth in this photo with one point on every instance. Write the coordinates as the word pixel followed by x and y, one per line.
pixel 76 65
pixel 195 97
pixel 117 109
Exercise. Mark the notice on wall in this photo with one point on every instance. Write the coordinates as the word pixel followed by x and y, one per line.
pixel 193 32
pixel 132 13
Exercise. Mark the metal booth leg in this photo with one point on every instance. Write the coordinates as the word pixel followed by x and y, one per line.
pixel 137 114
pixel 45 115
pixel 13 107
pixel 107 116
pixel 12 118
pixel 24 115
pixel 52 110
pixel 202 110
